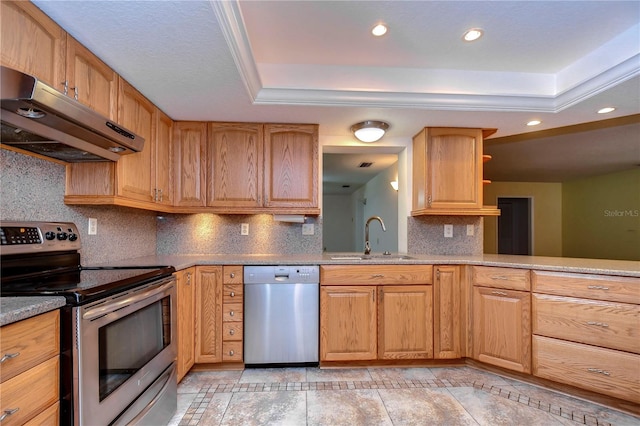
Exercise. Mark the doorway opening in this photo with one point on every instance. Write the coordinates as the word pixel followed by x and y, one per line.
pixel 514 225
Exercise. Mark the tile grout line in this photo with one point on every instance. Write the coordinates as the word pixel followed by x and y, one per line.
pixel 194 413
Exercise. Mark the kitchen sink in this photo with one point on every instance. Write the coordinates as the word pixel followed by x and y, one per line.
pixel 371 257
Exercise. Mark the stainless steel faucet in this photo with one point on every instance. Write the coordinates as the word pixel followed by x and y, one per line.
pixel 367 247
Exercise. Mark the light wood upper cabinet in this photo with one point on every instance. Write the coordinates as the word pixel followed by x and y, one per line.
pixel 32 42
pixel 234 165
pixel 134 171
pixel 447 172
pixel 162 173
pixel 185 280
pixel 447 313
pixel 91 81
pixel 405 328
pixel 348 323
pixel 189 154
pixel 209 295
pixel 291 165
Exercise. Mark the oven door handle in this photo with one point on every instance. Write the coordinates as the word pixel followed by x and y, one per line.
pixel 109 306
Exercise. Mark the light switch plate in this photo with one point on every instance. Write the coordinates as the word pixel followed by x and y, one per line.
pixel 244 229
pixel 308 229
pixel 470 230
pixel 93 226
pixel 448 231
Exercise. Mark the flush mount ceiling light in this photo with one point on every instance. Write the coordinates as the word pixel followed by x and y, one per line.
pixel 534 123
pixel 369 131
pixel 472 34
pixel 606 110
pixel 379 30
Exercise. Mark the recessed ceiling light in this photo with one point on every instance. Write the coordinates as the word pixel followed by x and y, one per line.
pixel 534 123
pixel 472 34
pixel 379 30
pixel 606 110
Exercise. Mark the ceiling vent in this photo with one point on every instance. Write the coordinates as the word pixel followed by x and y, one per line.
pixel 365 164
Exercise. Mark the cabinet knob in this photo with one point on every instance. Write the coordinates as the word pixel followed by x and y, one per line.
pixel 231 313
pixel 597 287
pixel 7 357
pixel 232 332
pixel 188 278
pixel 499 293
pixel 65 87
pixel 232 294
pixel 598 371
pixel 75 93
pixel 232 275
pixel 231 353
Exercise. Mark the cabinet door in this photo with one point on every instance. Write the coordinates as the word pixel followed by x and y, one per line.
pixel 208 314
pixel 186 321
pixel 134 170
pixel 189 150
pixel 447 312
pixel 234 165
pixel 406 327
pixel 347 323
pixel 291 165
pixel 162 172
pixel 502 328
pixel 447 169
pixel 91 81
pixel 32 43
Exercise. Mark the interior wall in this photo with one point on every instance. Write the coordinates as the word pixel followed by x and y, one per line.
pixel 546 215
pixel 338 212
pixel 33 189
pixel 601 216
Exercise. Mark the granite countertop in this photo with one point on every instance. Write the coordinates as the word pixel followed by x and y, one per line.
pixel 558 264
pixel 13 309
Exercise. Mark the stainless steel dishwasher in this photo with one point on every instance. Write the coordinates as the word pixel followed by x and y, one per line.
pixel 281 315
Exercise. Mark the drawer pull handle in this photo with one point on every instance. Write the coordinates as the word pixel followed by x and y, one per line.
pixel 7 357
pixel 597 323
pixel 232 294
pixel 232 332
pixel 231 313
pixel 499 277
pixel 6 413
pixel 499 293
pixel 231 353
pixel 597 287
pixel 377 275
pixel 598 371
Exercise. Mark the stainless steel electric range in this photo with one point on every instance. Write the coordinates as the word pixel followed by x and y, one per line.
pixel 118 334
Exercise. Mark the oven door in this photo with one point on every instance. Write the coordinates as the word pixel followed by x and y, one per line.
pixel 124 344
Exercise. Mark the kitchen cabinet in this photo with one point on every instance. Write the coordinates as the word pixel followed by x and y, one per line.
pixel 32 42
pixel 447 313
pixel 162 172
pixel 185 281
pixel 585 332
pixel 190 141
pixel 208 314
pixel 502 317
pixel 447 172
pixel 30 375
pixel 232 313
pixel 370 312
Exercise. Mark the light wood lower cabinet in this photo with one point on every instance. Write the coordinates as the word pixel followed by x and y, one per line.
pixel 30 377
pixel 232 314
pixel 447 312
pixel 386 314
pixel 186 320
pixel 208 314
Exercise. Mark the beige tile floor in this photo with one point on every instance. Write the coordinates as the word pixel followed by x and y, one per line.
pixel 377 396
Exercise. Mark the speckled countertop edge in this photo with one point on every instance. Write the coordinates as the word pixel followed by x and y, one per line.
pixel 13 309
pixel 558 264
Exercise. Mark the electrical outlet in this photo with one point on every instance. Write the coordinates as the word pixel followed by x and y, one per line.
pixel 244 229
pixel 448 231
pixel 470 230
pixel 93 226
pixel 308 229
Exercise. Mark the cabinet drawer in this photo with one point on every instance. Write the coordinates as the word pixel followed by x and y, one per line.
pixel 232 331
pixel 34 340
pixel 232 312
pixel 601 287
pixel 232 274
pixel 601 370
pixel 509 278
pixel 31 392
pixel 49 417
pixel 607 324
pixel 232 351
pixel 375 274
pixel 232 293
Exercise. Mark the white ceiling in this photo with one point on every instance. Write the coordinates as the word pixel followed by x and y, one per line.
pixel 316 62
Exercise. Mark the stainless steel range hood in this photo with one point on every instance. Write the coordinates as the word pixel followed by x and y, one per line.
pixel 37 118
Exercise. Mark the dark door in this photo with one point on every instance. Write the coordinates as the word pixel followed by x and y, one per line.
pixel 514 226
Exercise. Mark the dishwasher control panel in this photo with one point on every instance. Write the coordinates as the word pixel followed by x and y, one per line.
pixel 298 274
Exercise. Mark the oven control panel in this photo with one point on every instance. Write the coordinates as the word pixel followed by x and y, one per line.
pixel 29 237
